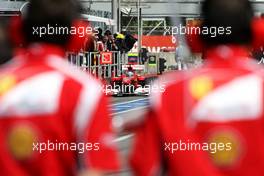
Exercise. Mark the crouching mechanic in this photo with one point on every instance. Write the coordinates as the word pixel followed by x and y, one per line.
pixel 54 119
pixel 210 120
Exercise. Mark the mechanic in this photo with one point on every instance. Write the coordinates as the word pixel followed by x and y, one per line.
pixel 210 120
pixel 130 71
pixel 54 120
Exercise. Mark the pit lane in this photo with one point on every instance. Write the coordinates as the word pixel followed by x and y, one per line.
pixel 115 100
pixel 126 109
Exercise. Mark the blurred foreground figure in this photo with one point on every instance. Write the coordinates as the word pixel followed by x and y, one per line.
pixel 209 121
pixel 5 46
pixel 54 119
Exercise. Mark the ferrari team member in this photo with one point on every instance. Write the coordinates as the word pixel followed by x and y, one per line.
pixel 54 119
pixel 210 120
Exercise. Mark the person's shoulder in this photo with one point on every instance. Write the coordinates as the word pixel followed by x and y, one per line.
pixel 167 84
pixel 72 72
pixel 254 67
pixel 176 78
pixel 11 65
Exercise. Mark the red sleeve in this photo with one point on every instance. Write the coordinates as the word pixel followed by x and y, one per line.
pixel 101 134
pixel 145 158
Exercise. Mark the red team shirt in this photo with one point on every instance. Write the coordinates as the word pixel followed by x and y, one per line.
pixel 220 103
pixel 44 99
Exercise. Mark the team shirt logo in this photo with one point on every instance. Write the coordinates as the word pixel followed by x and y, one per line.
pixel 20 140
pixel 200 86
pixel 7 83
pixel 228 157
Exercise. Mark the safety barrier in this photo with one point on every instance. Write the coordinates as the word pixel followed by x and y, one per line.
pixel 100 64
pixel 105 65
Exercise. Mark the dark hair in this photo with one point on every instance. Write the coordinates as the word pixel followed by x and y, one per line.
pixel 53 13
pixel 235 14
pixel 100 31
pixel 108 32
pixel 5 45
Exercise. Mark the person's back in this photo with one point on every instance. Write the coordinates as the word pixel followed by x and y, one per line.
pixel 48 116
pixel 54 119
pixel 209 121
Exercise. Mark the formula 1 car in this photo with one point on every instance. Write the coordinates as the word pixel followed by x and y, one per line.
pixel 130 82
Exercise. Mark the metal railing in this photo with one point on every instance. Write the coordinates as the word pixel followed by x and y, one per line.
pixel 91 62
